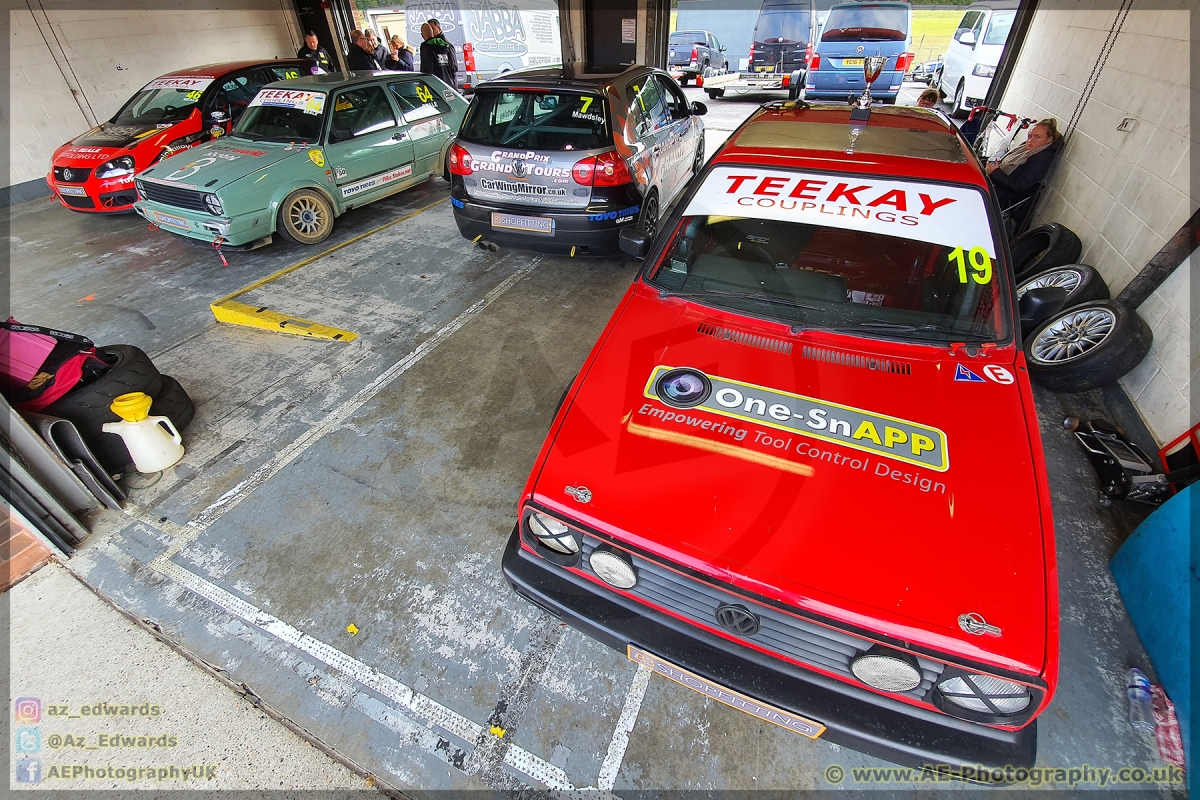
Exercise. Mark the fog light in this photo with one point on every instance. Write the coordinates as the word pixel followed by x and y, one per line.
pixel 886 671
pixel 553 534
pixel 613 569
pixel 985 694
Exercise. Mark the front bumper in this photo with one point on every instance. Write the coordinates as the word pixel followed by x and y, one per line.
pixel 595 231
pixel 233 230
pixel 94 196
pixel 856 718
pixel 976 89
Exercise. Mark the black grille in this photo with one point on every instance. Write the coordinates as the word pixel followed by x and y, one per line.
pixel 785 634
pixel 77 202
pixel 125 197
pixel 170 196
pixel 78 174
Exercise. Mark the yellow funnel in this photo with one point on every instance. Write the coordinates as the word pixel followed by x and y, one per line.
pixel 132 407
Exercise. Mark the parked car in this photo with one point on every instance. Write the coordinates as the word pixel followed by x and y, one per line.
pixel 491 39
pixel 558 163
pixel 925 73
pixel 94 172
pixel 690 53
pixel 754 482
pixel 784 36
pixel 852 32
pixel 973 53
pixel 305 152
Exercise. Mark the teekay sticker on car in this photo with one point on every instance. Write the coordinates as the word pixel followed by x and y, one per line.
pixel 856 428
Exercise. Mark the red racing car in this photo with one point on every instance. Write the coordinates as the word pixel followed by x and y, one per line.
pixel 94 172
pixel 800 471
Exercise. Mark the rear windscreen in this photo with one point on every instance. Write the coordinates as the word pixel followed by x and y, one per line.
pixel 688 37
pixel 787 26
pixel 866 24
pixel 537 120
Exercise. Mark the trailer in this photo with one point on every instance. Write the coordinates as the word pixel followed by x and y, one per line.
pixel 717 82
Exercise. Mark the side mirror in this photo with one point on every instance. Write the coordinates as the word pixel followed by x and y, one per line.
pixel 968 39
pixel 722 48
pixel 635 243
pixel 698 108
pixel 218 116
pixel 1038 305
pixel 341 135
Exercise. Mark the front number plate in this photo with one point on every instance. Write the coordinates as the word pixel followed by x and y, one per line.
pixel 767 713
pixel 852 62
pixel 74 191
pixel 512 222
pixel 167 219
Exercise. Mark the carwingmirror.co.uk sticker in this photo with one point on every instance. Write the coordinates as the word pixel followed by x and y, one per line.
pixel 891 437
pixel 308 102
pixel 953 216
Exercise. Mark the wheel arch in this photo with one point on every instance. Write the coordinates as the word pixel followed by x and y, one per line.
pixel 285 190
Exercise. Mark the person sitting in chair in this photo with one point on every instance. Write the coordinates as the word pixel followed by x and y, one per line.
pixel 1021 171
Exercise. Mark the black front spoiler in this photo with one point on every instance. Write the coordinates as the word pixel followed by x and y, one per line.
pixel 856 718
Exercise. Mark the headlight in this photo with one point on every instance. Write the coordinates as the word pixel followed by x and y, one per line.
pixel 983 71
pixel 214 204
pixel 553 534
pixel 116 167
pixel 887 670
pixel 613 569
pixel 141 190
pixel 985 694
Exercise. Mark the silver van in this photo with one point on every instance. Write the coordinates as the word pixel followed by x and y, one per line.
pixel 550 161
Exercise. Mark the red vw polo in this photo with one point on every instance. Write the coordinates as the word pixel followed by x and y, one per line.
pixel 94 172
pixel 800 471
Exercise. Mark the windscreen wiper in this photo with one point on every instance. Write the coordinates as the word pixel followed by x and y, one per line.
pixel 908 328
pixel 764 298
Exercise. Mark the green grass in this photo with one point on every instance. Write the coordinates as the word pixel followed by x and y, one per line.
pixel 932 32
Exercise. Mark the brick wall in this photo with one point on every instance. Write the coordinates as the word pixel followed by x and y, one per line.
pixel 1124 193
pixel 21 552
pixel 106 54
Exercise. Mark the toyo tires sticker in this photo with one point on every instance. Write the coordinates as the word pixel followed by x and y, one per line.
pixel 374 181
pixel 891 437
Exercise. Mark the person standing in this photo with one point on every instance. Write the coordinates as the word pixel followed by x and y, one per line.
pixel 437 57
pixel 437 31
pixel 362 54
pixel 312 49
pixel 399 56
pixel 378 50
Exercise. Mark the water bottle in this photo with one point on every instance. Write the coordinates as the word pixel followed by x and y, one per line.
pixel 1137 688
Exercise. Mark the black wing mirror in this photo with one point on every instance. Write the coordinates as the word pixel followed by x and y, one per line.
pixel 698 108
pixel 1038 305
pixel 635 243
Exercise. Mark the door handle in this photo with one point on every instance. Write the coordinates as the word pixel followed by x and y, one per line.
pixel 399 136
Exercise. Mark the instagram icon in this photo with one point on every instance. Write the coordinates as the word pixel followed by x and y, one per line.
pixel 28 709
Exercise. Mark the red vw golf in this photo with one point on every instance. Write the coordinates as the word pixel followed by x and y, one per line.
pixel 800 471
pixel 94 172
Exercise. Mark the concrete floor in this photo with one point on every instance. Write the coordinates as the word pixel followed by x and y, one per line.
pixel 373 483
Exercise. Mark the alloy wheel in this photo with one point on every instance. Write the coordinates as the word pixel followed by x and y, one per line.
pixel 1068 279
pixel 1072 335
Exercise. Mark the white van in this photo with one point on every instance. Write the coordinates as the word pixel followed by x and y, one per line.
pixel 971 59
pixel 490 38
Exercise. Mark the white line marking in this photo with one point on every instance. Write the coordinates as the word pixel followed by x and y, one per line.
pixel 620 740
pixel 226 502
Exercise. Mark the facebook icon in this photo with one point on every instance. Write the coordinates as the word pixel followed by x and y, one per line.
pixel 29 770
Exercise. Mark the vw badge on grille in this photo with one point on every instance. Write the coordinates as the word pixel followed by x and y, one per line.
pixel 67 174
pixel 737 619
pixel 976 626
pixel 519 169
pixel 859 49
pixel 580 493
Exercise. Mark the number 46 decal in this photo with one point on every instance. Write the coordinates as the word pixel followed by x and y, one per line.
pixel 981 264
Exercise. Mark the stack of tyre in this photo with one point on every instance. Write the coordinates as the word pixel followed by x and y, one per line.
pixel 88 404
pixel 1093 340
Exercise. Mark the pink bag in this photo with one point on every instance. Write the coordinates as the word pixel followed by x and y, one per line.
pixel 22 352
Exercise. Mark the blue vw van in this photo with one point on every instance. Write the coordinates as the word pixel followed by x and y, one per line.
pixel 853 31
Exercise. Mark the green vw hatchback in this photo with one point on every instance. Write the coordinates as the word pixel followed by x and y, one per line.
pixel 304 152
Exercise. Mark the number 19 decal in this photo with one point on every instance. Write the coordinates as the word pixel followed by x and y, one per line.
pixel 981 264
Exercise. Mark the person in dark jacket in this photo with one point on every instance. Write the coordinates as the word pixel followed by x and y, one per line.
pixel 437 31
pixel 312 49
pixel 399 56
pixel 437 57
pixel 362 54
pixel 377 49
pixel 1020 173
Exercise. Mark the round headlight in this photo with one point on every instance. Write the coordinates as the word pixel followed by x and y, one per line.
pixel 683 388
pixel 886 671
pixel 985 694
pixel 213 203
pixel 613 569
pixel 553 534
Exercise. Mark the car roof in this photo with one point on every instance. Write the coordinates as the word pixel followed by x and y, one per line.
pixel 862 3
pixel 564 78
pixel 224 68
pixel 335 80
pixel 994 5
pixel 897 141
